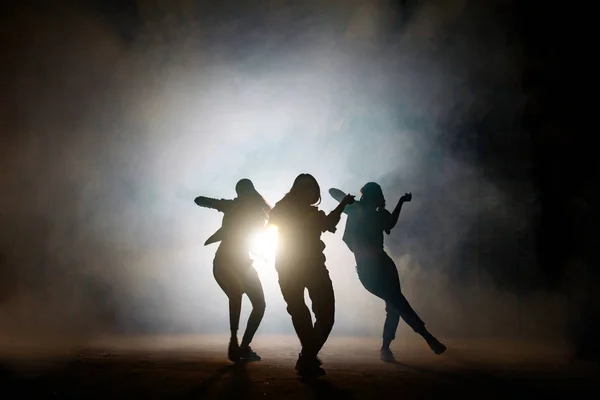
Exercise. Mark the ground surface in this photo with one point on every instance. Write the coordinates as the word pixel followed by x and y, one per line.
pixel 196 368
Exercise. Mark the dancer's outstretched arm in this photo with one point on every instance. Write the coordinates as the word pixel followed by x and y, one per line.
pixel 216 204
pixel 332 219
pixel 396 213
pixel 338 195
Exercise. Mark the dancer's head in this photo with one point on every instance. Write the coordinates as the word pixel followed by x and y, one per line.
pixel 371 194
pixel 244 187
pixel 245 190
pixel 306 190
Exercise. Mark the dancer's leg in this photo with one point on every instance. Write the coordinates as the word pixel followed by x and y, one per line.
pixel 393 296
pixel 380 277
pixel 292 290
pixel 320 290
pixel 254 291
pixel 392 320
pixel 231 284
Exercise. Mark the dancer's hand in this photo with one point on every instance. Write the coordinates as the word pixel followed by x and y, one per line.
pixel 348 199
pixel 202 201
pixel 406 198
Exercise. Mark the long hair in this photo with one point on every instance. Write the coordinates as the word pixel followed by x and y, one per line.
pixel 372 193
pixel 305 185
pixel 245 189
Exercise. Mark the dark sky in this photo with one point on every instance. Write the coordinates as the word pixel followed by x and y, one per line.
pixel 464 103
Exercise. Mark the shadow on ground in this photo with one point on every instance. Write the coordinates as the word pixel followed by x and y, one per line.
pixel 322 389
pixel 229 382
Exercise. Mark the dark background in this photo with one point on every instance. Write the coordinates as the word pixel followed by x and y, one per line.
pixel 530 139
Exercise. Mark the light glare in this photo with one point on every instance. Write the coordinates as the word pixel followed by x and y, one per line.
pixel 263 247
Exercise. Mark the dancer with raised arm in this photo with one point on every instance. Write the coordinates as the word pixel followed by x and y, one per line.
pixel 232 265
pixel 300 264
pixel 367 220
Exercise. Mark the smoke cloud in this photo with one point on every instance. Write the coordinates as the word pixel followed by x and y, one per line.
pixel 106 143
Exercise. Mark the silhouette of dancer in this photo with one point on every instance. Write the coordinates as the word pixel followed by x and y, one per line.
pixel 367 220
pixel 300 264
pixel 232 266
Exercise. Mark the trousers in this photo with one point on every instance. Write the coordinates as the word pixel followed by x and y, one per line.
pixel 316 280
pixel 378 274
pixel 236 276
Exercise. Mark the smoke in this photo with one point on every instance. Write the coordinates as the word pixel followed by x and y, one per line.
pixel 54 267
pixel 106 143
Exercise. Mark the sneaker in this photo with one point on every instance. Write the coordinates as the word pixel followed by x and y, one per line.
pixel 246 354
pixel 300 360
pixel 318 361
pixel 309 368
pixel 435 345
pixel 233 351
pixel 386 355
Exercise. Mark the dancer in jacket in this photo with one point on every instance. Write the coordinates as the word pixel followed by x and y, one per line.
pixel 367 220
pixel 300 264
pixel 232 266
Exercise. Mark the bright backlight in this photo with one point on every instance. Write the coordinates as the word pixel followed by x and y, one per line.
pixel 263 247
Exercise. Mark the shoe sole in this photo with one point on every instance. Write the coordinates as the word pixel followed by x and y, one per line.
pixel 250 359
pixel 437 347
